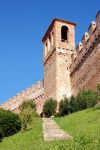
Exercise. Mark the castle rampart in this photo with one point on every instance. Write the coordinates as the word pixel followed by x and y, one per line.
pixel 85 68
pixel 34 92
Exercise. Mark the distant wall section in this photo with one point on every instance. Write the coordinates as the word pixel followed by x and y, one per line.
pixel 34 92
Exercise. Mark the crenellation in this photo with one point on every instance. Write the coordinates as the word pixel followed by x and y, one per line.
pixel 91 28
pixel 98 20
pixel 79 48
pixel 33 92
pixel 85 38
pixel 87 41
pixel 85 73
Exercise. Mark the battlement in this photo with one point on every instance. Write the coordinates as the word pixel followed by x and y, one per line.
pixel 33 92
pixel 84 48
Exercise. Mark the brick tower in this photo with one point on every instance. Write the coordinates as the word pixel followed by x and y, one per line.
pixel 59 43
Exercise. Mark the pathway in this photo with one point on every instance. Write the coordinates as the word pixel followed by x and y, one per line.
pixel 52 131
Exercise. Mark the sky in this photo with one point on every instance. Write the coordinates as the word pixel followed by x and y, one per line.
pixel 22 26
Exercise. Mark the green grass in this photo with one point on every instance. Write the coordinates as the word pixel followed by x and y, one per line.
pixel 29 140
pixel 84 126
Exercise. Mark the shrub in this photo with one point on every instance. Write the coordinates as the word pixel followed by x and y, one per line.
pixel 49 107
pixel 64 106
pixel 1 134
pixel 26 117
pixel 73 104
pixel 27 104
pixel 86 99
pixel 96 107
pixel 57 114
pixel 10 123
pixel 98 92
pixel 27 110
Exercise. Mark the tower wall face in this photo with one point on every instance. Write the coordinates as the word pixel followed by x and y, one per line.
pixel 63 74
pixel 50 77
pixel 70 42
pixel 57 61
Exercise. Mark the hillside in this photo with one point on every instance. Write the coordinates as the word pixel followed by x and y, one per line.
pixel 84 126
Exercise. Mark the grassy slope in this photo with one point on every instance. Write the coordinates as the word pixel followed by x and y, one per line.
pixel 84 126
pixel 29 140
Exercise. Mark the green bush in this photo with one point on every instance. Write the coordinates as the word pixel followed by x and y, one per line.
pixel 96 107
pixel 1 134
pixel 27 104
pixel 86 99
pixel 57 114
pixel 26 117
pixel 49 107
pixel 27 111
pixel 10 123
pixel 64 106
pixel 73 104
pixel 98 92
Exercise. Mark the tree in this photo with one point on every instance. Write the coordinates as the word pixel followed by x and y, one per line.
pixel 64 106
pixel 27 110
pixel 49 107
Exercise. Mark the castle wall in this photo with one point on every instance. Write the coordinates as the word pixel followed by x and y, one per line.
pixel 85 68
pixel 34 92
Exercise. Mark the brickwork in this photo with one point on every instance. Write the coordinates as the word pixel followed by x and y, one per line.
pixel 85 68
pixel 66 69
pixel 57 60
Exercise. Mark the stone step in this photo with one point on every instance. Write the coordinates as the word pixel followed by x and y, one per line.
pixel 52 131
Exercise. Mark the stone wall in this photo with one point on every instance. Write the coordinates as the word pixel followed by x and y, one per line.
pixel 34 92
pixel 85 68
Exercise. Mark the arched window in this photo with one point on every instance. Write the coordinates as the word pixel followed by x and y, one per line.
pixel 64 33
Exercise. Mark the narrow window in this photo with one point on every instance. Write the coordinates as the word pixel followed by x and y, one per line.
pixel 64 33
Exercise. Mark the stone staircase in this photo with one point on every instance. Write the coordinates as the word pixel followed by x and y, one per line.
pixel 52 131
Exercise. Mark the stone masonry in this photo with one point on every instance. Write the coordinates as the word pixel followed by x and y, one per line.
pixel 34 92
pixel 66 69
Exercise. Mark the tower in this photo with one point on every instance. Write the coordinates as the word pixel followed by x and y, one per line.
pixel 59 43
